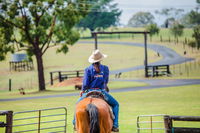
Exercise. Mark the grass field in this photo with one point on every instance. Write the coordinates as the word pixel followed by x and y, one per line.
pixel 173 101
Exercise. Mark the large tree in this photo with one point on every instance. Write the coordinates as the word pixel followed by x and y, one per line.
pixel 36 25
pixel 141 19
pixel 103 14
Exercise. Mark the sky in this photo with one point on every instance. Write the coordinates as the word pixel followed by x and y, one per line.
pixel 130 7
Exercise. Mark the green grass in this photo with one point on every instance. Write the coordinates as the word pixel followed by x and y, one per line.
pixel 64 90
pixel 182 100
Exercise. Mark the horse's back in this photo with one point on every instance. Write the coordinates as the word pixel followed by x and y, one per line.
pixel 105 120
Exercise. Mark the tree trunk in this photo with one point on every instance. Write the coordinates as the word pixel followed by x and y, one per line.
pixel 91 30
pixel 40 71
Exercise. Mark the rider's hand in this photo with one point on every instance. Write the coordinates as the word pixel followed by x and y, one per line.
pixel 106 88
pixel 81 93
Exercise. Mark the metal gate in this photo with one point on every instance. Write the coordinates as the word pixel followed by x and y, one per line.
pixel 51 120
pixel 152 123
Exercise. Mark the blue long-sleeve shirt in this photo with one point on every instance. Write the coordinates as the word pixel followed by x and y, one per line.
pixel 94 80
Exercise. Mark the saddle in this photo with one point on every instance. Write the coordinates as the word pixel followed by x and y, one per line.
pixel 97 94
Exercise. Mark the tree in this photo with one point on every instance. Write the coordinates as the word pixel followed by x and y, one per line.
pixel 185 20
pixel 171 14
pixel 177 30
pixel 103 14
pixel 194 15
pixel 153 29
pixel 141 19
pixel 196 35
pixel 39 24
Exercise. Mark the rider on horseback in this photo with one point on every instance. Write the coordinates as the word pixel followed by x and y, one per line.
pixel 96 77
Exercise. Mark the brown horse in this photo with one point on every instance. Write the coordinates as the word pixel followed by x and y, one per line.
pixel 93 116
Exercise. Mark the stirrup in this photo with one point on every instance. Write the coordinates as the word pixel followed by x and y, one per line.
pixel 115 129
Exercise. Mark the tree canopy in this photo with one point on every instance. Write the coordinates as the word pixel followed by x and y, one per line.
pixel 141 19
pixel 153 29
pixel 36 25
pixel 177 30
pixel 171 14
pixel 102 14
pixel 196 35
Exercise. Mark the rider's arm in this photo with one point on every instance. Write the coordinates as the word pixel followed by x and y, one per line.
pixel 106 78
pixel 86 80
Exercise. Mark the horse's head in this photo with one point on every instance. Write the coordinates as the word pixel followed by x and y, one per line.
pixel 95 94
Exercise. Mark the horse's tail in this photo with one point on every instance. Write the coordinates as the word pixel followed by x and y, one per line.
pixel 94 118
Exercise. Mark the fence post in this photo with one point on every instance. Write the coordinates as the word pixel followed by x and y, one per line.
pixel 77 73
pixel 168 124
pixel 9 120
pixel 39 119
pixel 168 71
pixel 10 84
pixel 51 78
pixel 59 76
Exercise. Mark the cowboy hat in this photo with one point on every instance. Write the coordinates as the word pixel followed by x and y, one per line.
pixel 96 56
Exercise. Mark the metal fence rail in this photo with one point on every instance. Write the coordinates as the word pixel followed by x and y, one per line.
pixel 52 120
pixel 149 122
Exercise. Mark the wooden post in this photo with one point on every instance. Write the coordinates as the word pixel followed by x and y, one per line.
pixel 77 73
pixel 95 39
pixel 9 119
pixel 51 78
pixel 168 124
pixel 151 124
pixel 154 72
pixel 168 69
pixel 145 53
pixel 59 76
pixel 39 119
pixel 10 85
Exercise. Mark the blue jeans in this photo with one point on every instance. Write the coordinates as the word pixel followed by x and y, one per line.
pixel 110 100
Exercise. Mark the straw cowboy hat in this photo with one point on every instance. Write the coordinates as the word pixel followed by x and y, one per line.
pixel 96 56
